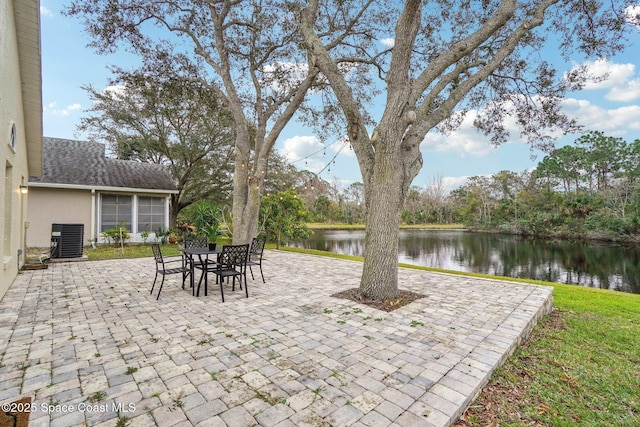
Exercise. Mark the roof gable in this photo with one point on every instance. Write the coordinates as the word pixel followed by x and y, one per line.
pixel 84 163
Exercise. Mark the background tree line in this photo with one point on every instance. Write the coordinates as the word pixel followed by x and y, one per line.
pixel 588 189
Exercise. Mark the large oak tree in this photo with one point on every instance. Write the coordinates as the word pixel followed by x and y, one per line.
pixel 447 58
pixel 152 115
pixel 247 52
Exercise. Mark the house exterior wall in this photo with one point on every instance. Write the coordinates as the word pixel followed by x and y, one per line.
pixel 13 150
pixel 56 206
pixel 50 205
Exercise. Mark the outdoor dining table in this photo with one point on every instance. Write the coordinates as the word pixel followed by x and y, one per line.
pixel 203 257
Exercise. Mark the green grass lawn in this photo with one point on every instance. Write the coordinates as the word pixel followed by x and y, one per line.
pixel 102 252
pixel 132 251
pixel 581 366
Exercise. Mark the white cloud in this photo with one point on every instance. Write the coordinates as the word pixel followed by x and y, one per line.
pixel 51 109
pixel 343 146
pixel 284 76
pixel 388 42
pixel 45 12
pixel 633 15
pixel 625 93
pixel 614 122
pixel 116 93
pixel 305 152
pixel 616 73
pixel 619 79
pixel 450 183
pixel 466 140
pixel 115 90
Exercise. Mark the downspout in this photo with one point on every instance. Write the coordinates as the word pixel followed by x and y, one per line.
pixel 22 250
pixel 93 218
pixel 166 211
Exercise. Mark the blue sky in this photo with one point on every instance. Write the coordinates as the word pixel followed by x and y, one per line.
pixel 612 107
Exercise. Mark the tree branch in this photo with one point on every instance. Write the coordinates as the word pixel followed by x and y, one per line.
pixel 357 132
pixel 444 110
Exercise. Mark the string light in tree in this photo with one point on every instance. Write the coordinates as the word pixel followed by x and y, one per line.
pixel 343 144
pixel 323 149
pixel 309 183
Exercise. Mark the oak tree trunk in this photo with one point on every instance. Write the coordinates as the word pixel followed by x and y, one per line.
pixel 380 272
pixel 246 202
pixel 385 191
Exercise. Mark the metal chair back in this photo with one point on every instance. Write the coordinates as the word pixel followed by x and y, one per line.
pixel 257 248
pixel 234 257
pixel 157 254
pixel 255 255
pixel 195 242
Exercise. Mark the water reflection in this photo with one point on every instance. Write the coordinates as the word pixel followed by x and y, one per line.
pixel 592 264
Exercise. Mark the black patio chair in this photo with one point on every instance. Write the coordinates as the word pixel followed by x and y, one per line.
pixel 232 263
pixel 255 255
pixel 193 242
pixel 161 267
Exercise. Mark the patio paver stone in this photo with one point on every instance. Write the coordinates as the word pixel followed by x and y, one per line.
pixel 89 344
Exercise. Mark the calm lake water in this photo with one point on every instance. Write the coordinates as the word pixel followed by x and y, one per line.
pixel 593 264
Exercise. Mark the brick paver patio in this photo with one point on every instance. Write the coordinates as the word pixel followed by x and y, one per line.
pixel 91 347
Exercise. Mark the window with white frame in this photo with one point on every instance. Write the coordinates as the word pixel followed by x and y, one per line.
pixel 150 213
pixel 115 209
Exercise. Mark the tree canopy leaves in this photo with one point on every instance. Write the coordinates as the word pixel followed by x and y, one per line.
pixel 162 118
pixel 283 217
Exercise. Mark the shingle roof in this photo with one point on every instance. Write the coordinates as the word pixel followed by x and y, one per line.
pixel 84 163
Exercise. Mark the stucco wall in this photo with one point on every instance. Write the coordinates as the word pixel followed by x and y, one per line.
pixel 51 206
pixel 13 161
